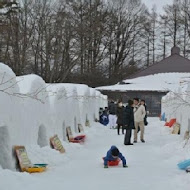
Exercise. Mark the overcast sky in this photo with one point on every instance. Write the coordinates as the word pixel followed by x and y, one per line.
pixel 159 4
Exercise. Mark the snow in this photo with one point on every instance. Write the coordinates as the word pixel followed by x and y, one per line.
pixel 151 165
pixel 8 81
pixel 33 111
pixel 176 105
pixel 158 82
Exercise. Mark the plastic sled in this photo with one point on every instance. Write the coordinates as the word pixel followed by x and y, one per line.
pixel 78 139
pixel 170 123
pixel 183 165
pixel 114 162
pixel 41 165
pixel 34 169
pixel 25 163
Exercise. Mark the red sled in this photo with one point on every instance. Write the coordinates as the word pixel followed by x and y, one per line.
pixel 78 139
pixel 113 162
pixel 170 123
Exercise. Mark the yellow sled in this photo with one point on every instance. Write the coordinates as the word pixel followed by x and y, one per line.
pixel 24 162
pixel 34 169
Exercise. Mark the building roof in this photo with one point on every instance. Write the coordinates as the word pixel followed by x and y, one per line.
pixel 162 82
pixel 174 63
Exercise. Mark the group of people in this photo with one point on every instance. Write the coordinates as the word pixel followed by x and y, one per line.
pixel 125 118
pixel 133 116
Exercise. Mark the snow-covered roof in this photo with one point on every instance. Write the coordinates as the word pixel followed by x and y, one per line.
pixel 161 82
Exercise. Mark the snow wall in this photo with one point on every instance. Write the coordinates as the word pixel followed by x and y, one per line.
pixel 32 111
pixel 176 104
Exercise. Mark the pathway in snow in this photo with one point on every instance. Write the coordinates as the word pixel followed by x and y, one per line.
pixel 149 166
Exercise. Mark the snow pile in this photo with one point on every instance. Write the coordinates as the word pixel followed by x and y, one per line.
pixel 176 105
pixel 33 111
pixel 162 82
pixel 81 167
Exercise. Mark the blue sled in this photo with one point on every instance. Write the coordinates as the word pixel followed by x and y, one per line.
pixel 183 165
pixel 41 165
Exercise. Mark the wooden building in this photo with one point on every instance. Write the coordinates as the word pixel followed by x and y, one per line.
pixel 152 83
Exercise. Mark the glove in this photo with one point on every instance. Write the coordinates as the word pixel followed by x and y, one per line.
pixel 105 166
pixel 125 166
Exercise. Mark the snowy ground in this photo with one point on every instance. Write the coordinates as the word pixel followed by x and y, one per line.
pixel 151 165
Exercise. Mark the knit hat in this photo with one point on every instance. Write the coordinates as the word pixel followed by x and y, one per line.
pixel 115 152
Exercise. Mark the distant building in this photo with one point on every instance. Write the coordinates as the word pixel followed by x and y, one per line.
pixel 153 82
pixel 175 63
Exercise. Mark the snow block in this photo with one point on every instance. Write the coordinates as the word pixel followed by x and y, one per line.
pixel 183 165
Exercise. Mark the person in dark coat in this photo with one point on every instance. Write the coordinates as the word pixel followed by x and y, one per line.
pixel 128 121
pixel 100 112
pixel 120 111
pixel 112 114
pixel 113 154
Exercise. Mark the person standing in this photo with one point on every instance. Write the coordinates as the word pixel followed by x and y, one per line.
pixel 139 114
pixel 128 121
pixel 120 112
pixel 112 114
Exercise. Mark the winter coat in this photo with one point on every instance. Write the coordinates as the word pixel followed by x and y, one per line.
pixel 145 118
pixel 112 108
pixel 128 118
pixel 120 112
pixel 139 113
pixel 109 157
pixel 104 119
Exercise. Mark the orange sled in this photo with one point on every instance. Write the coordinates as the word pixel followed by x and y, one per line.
pixel 170 123
pixel 114 162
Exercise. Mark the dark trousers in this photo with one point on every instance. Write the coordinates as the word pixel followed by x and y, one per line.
pixel 127 139
pixel 118 129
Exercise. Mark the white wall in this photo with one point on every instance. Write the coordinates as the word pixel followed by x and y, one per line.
pixel 32 111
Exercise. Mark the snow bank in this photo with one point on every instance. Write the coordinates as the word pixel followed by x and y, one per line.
pixel 176 105
pixel 33 111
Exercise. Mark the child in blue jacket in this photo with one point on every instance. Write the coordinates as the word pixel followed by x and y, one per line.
pixel 104 118
pixel 114 154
